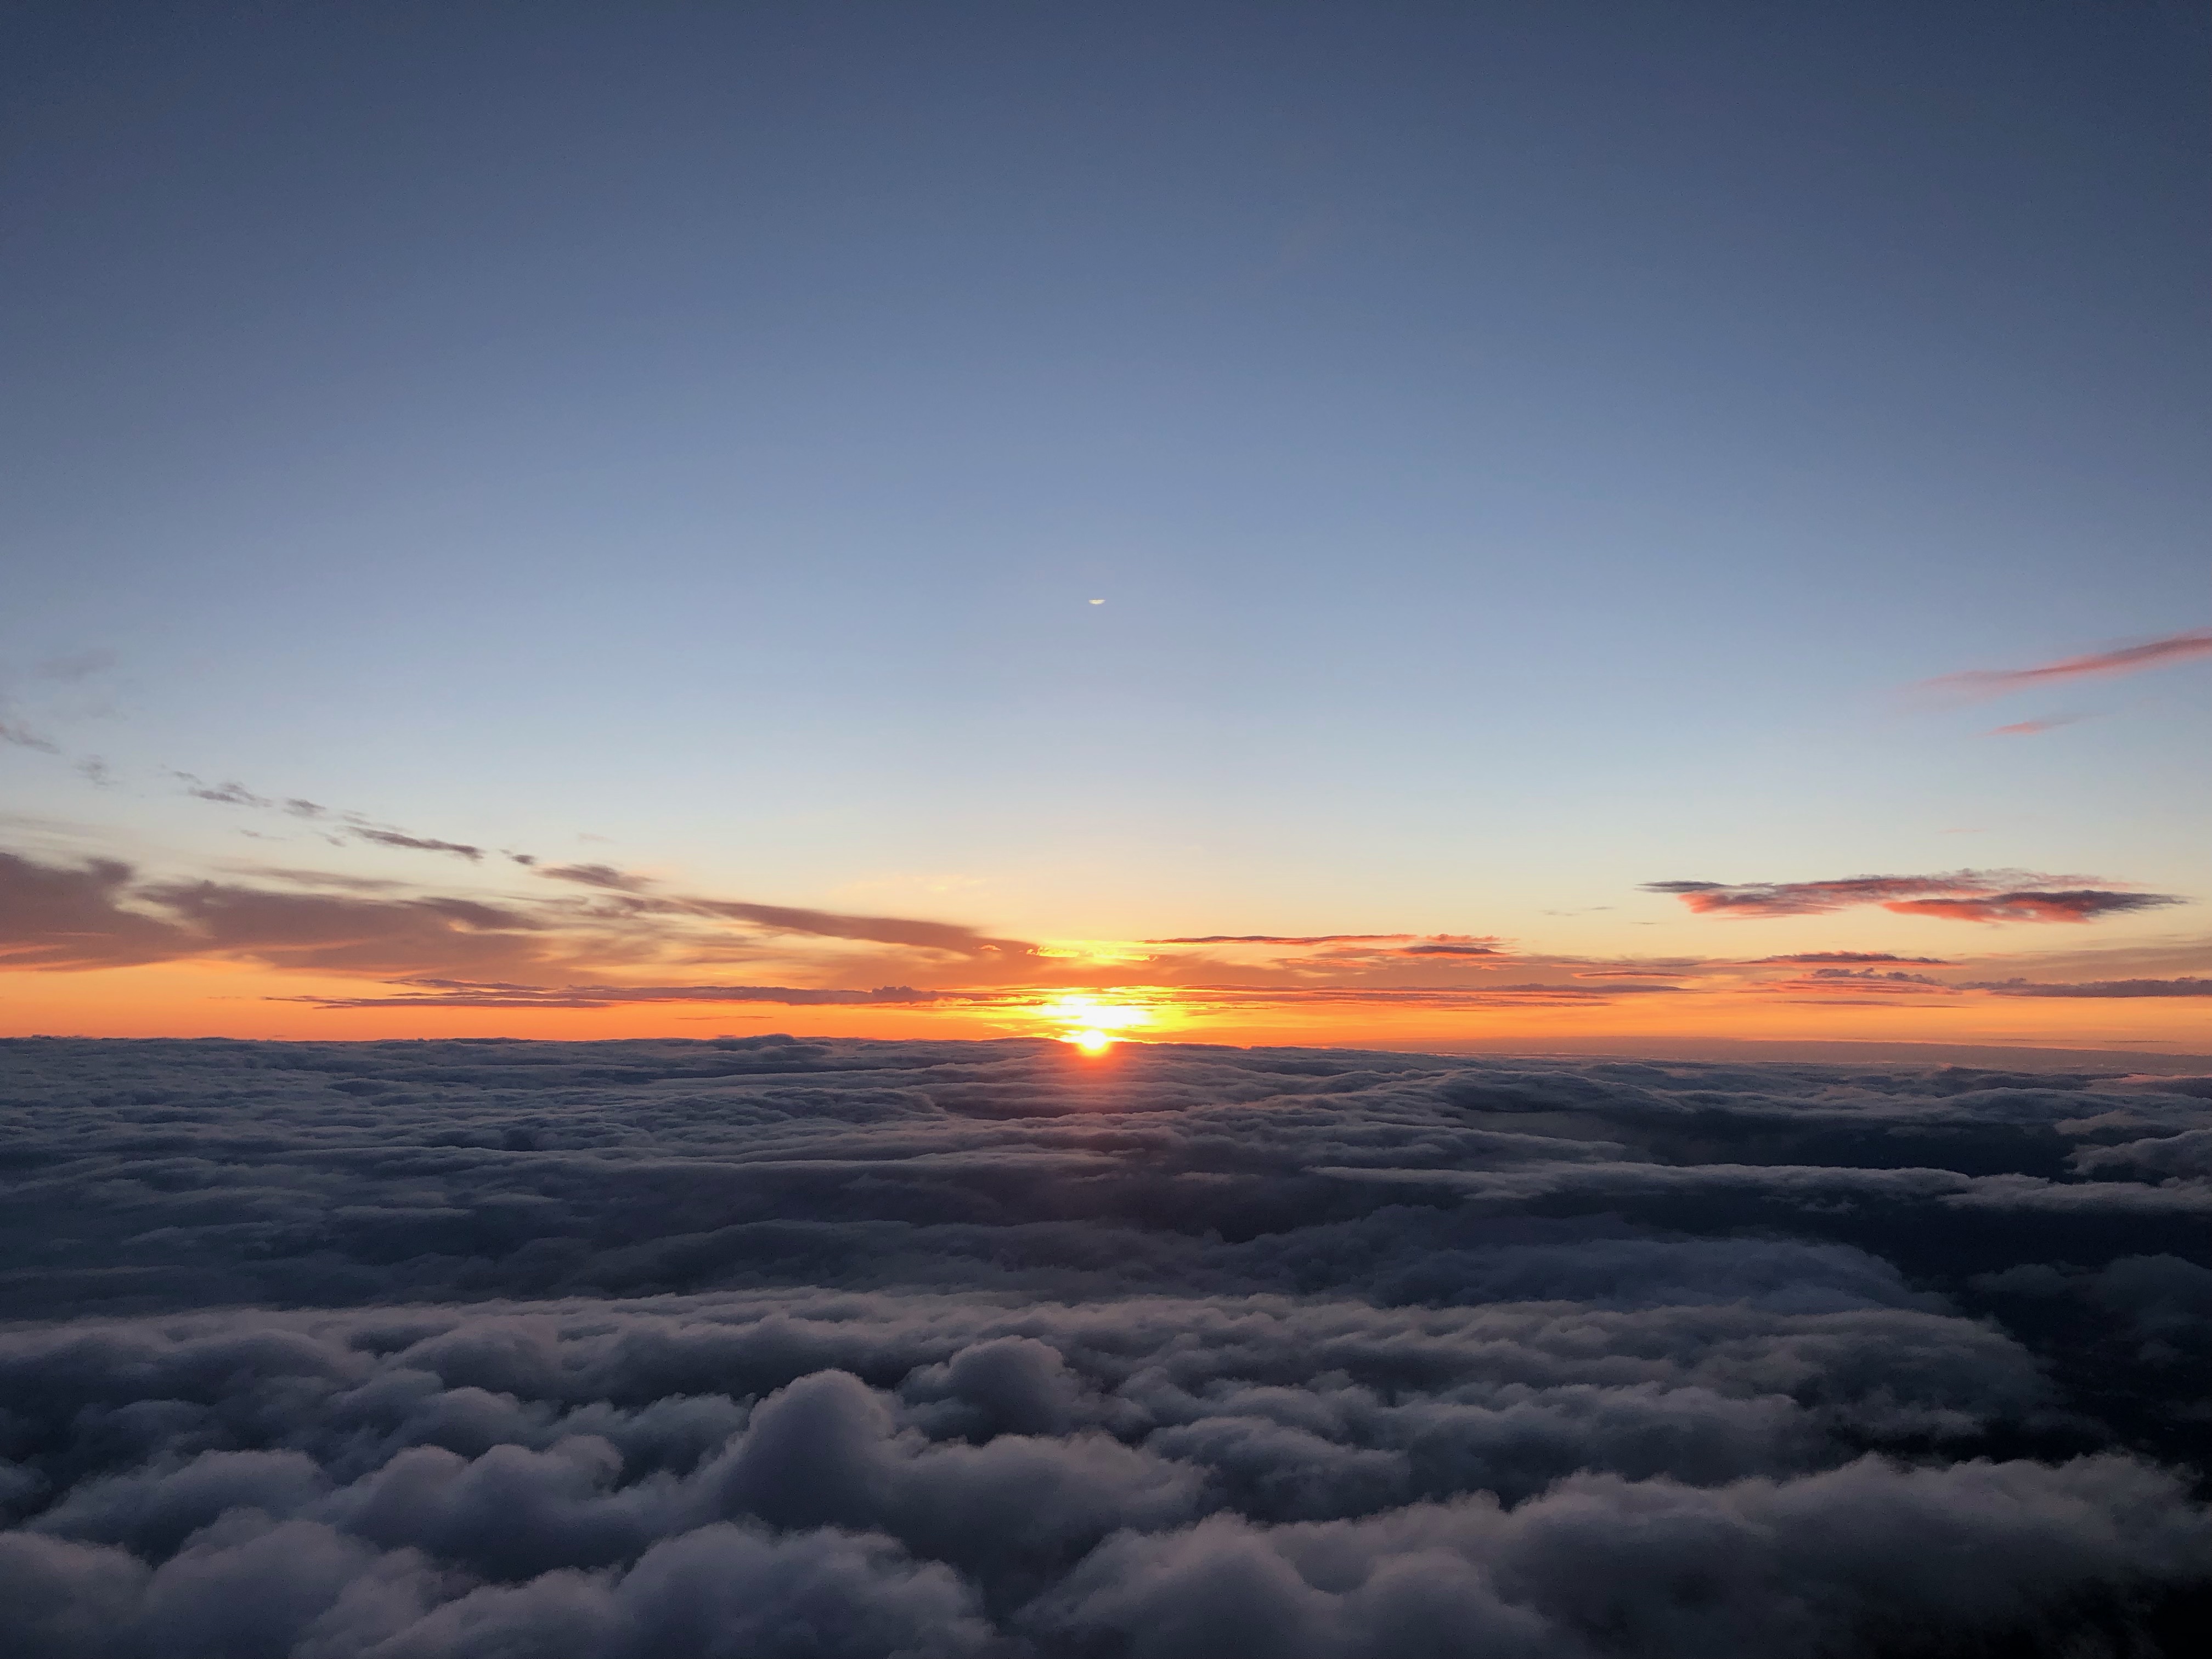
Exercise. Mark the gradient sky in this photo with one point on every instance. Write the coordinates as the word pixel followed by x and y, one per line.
pixel 1524 453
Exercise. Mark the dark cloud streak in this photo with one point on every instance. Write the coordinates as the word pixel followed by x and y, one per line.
pixel 2184 986
pixel 21 737
pixel 447 994
pixel 419 843
pixel 1987 895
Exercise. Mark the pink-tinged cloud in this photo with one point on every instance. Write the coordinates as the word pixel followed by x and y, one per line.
pixel 1960 895
pixel 1978 683
pixel 2029 728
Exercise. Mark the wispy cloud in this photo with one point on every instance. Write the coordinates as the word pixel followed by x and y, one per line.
pixel 21 737
pixel 1979 683
pixel 335 826
pixel 592 875
pixel 1808 958
pixel 1283 939
pixel 915 933
pixel 2030 728
pixel 1988 895
pixel 1334 952
pixel 234 793
pixel 2184 986
pixel 911 932
pixel 464 994
pixel 1867 980
pixel 102 914
pixel 1529 994
pixel 419 843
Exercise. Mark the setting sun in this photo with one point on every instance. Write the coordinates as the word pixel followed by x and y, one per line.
pixel 1090 1023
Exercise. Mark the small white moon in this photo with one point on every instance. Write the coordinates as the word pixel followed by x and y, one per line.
pixel 1097 602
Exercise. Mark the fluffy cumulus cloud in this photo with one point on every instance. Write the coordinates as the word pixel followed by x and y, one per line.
pixel 766 1346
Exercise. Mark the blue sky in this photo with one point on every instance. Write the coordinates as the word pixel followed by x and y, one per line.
pixel 1523 452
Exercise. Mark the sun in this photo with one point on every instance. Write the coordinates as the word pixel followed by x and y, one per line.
pixel 1091 1025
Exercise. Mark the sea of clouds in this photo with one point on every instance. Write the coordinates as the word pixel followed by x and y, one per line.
pixel 770 1347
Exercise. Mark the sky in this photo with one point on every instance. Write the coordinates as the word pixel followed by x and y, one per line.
pixel 1439 526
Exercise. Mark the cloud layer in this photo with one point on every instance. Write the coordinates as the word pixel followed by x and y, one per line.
pixel 770 1346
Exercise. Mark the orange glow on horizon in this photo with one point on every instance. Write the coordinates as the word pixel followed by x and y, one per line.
pixel 205 999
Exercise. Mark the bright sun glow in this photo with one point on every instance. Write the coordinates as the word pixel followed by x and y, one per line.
pixel 1091 1025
